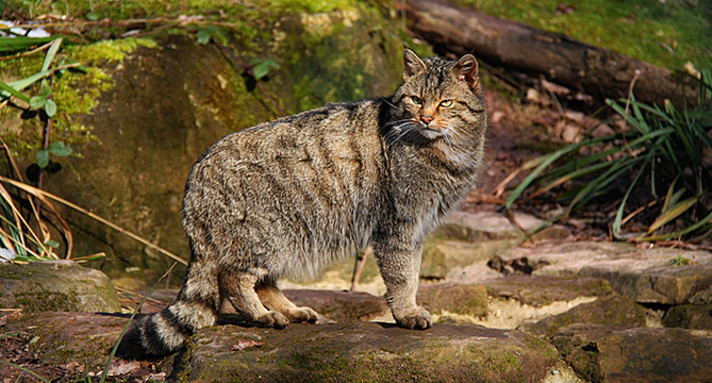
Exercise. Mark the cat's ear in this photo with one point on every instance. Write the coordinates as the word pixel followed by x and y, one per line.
pixel 465 69
pixel 412 64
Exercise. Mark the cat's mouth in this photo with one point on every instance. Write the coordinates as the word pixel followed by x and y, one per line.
pixel 430 133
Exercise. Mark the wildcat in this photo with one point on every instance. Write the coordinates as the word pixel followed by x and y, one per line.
pixel 286 197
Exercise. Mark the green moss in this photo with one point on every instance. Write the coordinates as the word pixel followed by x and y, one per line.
pixel 47 301
pixel 74 93
pixel 666 33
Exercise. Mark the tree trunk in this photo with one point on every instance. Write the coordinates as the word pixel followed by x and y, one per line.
pixel 599 72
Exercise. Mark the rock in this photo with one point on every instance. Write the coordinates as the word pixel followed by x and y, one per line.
pixel 449 298
pixel 517 301
pixel 644 275
pixel 668 285
pixel 340 306
pixel 472 227
pixel 58 338
pixel 613 310
pixel 600 353
pixel 446 259
pixel 542 290
pixel 366 352
pixel 689 316
pixel 56 286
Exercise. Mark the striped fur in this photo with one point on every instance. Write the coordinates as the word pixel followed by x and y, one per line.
pixel 287 197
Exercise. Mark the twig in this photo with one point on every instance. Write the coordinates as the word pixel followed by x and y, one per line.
pixel 359 270
pixel 28 53
pixel 43 194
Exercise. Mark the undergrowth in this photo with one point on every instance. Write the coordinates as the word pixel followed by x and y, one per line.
pixel 663 158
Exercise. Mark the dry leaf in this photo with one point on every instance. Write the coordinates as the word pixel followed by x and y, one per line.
pixel 245 343
pixel 123 367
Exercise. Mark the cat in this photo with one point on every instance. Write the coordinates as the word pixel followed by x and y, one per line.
pixel 286 197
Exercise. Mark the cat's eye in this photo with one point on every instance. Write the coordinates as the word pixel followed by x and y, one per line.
pixel 446 103
pixel 417 100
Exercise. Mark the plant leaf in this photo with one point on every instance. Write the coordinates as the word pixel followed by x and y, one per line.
pixel 53 49
pixel 59 149
pixel 42 158
pixel 50 108
pixel 260 70
pixel 203 37
pixel 37 102
pixel 9 90
pixel 673 212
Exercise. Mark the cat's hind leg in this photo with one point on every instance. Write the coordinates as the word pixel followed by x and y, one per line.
pixel 273 298
pixel 239 289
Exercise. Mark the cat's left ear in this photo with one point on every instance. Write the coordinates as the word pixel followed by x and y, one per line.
pixel 465 69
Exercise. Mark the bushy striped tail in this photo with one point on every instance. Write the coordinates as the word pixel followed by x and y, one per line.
pixel 165 332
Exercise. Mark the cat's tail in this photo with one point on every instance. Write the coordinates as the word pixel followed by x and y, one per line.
pixel 165 332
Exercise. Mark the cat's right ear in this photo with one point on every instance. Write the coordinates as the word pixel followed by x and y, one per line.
pixel 412 64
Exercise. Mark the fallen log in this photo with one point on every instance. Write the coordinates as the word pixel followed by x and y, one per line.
pixel 599 72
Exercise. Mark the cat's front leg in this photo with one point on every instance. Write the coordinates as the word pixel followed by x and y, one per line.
pixel 400 270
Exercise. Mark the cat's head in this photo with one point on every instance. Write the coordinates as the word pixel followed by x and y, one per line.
pixel 439 99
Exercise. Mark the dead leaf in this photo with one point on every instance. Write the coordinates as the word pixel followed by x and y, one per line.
pixel 563 9
pixel 123 367
pixel 245 344
pixel 553 88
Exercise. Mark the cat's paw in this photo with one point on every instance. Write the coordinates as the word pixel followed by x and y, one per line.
pixel 272 319
pixel 302 314
pixel 418 320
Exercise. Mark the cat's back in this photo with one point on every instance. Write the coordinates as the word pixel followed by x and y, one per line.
pixel 341 135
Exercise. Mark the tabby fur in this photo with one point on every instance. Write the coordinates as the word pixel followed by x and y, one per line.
pixel 287 197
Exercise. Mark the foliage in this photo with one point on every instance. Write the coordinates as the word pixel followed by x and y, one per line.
pixel 261 67
pixel 665 148
pixel 667 33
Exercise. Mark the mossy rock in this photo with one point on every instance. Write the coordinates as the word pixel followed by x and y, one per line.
pixel 56 286
pixel 366 352
pixel 614 310
pixel 541 290
pixel 689 316
pixel 463 299
pixel 604 353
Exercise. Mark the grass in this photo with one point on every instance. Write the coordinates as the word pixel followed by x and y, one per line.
pixel 668 33
pixel 665 154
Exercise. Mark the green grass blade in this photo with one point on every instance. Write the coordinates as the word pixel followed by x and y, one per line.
pixel 8 90
pixel 619 213
pixel 664 237
pixel 53 49
pixel 22 43
pixel 24 83
pixel 599 183
pixel 673 212
pixel 670 197
pixel 40 377
pixel 544 162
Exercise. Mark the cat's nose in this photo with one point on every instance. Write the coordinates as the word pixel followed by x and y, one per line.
pixel 426 119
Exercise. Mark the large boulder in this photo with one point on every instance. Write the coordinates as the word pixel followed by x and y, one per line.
pixel 365 351
pixel 601 353
pixel 661 276
pixel 56 286
pixel 362 351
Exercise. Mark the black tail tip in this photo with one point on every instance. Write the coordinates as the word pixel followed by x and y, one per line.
pixel 130 346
